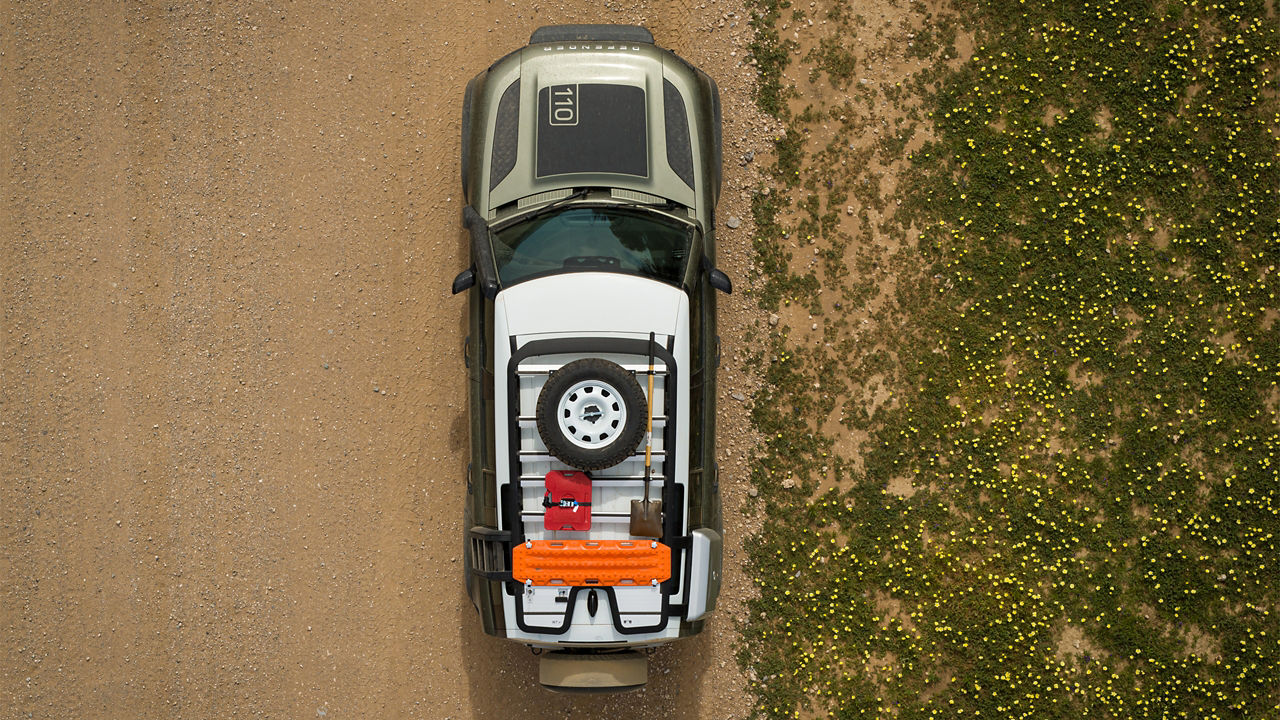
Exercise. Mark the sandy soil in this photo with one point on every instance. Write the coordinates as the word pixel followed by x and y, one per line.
pixel 231 412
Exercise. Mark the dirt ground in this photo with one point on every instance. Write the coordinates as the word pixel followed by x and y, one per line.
pixel 232 420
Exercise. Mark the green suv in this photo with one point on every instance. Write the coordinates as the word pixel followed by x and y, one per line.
pixel 591 170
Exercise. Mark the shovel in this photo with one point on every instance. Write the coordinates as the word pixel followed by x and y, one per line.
pixel 646 515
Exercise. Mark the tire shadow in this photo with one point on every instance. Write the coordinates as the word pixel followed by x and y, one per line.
pixel 502 680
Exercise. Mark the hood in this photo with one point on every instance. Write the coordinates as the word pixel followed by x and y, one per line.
pixel 612 115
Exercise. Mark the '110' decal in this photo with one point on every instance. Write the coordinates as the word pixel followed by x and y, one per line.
pixel 564 105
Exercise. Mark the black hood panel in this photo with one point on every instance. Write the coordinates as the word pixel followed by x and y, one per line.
pixel 592 128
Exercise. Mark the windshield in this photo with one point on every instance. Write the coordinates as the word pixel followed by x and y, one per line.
pixel 611 239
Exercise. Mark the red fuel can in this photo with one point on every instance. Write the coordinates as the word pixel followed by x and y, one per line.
pixel 567 501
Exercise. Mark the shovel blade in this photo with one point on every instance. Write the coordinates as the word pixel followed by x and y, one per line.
pixel 646 518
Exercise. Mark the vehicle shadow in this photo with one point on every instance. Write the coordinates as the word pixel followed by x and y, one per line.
pixel 502 679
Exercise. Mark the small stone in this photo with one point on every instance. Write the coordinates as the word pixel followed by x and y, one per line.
pixel 788 483
pixel 733 222
pixel 848 209
pixel 738 396
pixel 749 155
pixel 773 319
pixel 753 492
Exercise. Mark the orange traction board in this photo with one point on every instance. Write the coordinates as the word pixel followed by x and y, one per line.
pixel 590 562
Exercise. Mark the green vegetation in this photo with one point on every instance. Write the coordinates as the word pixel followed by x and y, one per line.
pixel 770 53
pixel 1056 340
pixel 832 57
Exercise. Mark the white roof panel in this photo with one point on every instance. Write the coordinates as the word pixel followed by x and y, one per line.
pixel 591 303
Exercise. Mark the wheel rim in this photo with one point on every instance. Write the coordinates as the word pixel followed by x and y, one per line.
pixel 591 414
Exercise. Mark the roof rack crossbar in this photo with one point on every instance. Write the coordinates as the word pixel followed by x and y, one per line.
pixel 530 369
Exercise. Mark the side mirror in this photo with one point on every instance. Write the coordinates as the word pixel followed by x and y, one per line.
pixel 465 280
pixel 719 280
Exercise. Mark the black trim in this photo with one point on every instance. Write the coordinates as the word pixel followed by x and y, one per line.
pixel 676 125
pixel 465 153
pixel 672 494
pixel 506 135
pixel 481 251
pixel 510 497
pixel 717 146
pixel 604 33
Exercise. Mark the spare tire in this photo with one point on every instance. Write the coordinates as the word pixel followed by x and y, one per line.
pixel 591 414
